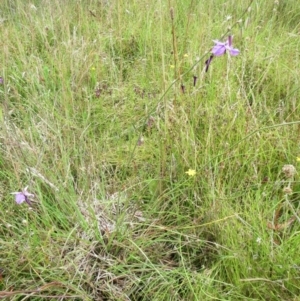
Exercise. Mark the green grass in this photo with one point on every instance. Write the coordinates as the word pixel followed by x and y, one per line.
pixel 93 120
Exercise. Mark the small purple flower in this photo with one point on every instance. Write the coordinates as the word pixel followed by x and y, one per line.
pixel 23 196
pixel 220 48
pixel 1 80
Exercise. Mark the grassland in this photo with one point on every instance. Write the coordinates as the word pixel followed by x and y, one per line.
pixel 101 119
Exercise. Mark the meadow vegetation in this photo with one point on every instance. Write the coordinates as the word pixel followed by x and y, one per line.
pixel 152 179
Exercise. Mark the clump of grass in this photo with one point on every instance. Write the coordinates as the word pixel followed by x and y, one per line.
pixel 152 179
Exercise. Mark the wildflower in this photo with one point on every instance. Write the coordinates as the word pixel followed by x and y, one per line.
pixel 23 196
pixel 289 170
pixel 191 172
pixel 298 159
pixel 172 66
pixel 287 190
pixel 220 49
pixel 186 55
pixel 1 80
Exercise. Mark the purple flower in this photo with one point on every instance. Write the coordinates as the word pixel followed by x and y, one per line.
pixel 220 48
pixel 23 196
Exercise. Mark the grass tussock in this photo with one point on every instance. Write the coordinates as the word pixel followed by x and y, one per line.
pixel 152 179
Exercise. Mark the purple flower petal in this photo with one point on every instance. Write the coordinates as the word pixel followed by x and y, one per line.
pixel 20 198
pixel 23 196
pixel 219 49
pixel 234 51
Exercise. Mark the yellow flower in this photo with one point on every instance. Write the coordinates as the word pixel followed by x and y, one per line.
pixel 186 55
pixel 298 159
pixel 191 172
pixel 172 66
